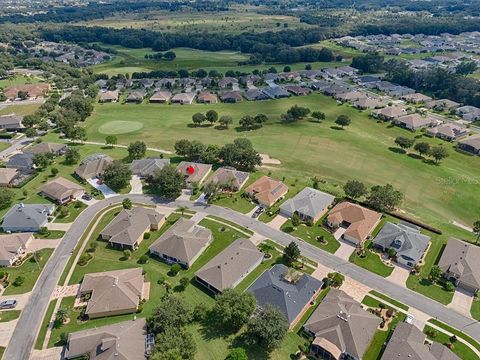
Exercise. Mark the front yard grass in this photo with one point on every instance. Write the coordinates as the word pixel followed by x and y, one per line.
pixel 45 322
pixel 371 261
pixel 74 209
pixel 50 234
pixel 311 233
pixel 231 223
pixel 456 332
pixel 30 271
pixel 237 202
pixel 475 310
pixel 460 349
pixel 9 315
pixel 389 300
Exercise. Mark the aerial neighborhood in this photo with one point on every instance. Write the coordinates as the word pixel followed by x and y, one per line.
pixel 240 180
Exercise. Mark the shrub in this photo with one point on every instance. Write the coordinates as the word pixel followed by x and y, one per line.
pixel 19 280
pixel 146 236
pixel 84 259
pixel 175 269
pixel 161 279
pixel 184 281
pixel 143 259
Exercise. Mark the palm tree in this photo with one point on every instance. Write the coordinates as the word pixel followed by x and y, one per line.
pixel 62 315
pixel 266 248
pixel 476 229
pixel 182 209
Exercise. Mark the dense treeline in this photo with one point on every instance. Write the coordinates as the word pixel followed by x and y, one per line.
pixel 268 46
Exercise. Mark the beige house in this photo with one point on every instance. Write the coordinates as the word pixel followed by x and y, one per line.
pixel 182 243
pixel 129 227
pixel 195 173
pixel 358 222
pixel 416 98
pixel 45 148
pixel 389 113
pixel 108 96
pixel 62 190
pixel 229 179
pixel 93 166
pixel 34 91
pixel 266 191
pixel 161 97
pixel 207 98
pixel 414 121
pixel 7 175
pixel 183 98
pixel 13 247
pixel 113 292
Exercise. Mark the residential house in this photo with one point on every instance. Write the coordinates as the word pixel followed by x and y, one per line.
pixel 231 96
pixel 368 103
pixel 356 221
pixel 112 293
pixel 469 113
pixel 414 121
pixel 11 122
pixel 470 144
pixel 335 89
pixel 416 98
pixel 229 179
pixel 27 217
pixel 459 263
pixel 135 97
pixel 93 166
pixel 144 168
pixel 442 105
pixel 341 328
pixel 165 83
pixel 108 96
pixel 207 98
pixel 266 191
pixel 368 79
pixel 227 82
pixel 62 190
pixel 389 113
pixel 161 97
pixel 351 96
pixel 47 148
pixel 146 83
pixel 183 98
pixel 195 173
pixel 297 90
pixel 21 161
pixel 255 95
pixel 126 340
pixel 128 228
pixel 276 92
pixel 405 240
pixel 290 291
pixel 13 247
pixel 230 267
pixel 8 175
pixel 309 204
pixel 410 343
pixel 33 91
pixel 182 243
pixel 448 131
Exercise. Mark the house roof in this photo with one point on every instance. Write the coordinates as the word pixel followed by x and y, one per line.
pixel 408 343
pixel 11 121
pixel 183 241
pixel 129 225
pixel 147 167
pixel 11 244
pixel 415 120
pixel 45 148
pixel 406 240
pixel 7 175
pixel 362 221
pixel 60 188
pixel 391 111
pixel 207 97
pixel 461 258
pixel 450 130
pixel 231 95
pixel 135 96
pixel 199 170
pixel 473 141
pixel 255 94
pixel 183 97
pixel 229 176
pixel 308 202
pixel 109 95
pixel 225 269
pixel 416 97
pixel 93 165
pixel 290 297
pixel 267 190
pixel 161 96
pixel 275 91
pixel 343 324
pixel 21 161
pixel 113 290
pixel 33 90
pixel 369 103
pixel 121 341
pixel 27 216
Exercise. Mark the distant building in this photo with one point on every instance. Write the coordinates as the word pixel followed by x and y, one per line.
pixel 22 161
pixel 470 145
pixel 11 122
pixel 229 179
pixel 161 97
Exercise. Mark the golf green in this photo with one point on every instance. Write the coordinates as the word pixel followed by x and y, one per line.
pixel 120 127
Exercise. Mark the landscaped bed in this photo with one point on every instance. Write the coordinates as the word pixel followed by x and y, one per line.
pixel 371 260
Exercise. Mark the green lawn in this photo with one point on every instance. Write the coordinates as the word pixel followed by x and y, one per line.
pixel 475 310
pixel 362 151
pixel 461 350
pixel 45 322
pixel 456 332
pixel 4 145
pixel 74 209
pixel 310 234
pixel 29 270
pixel 19 109
pixel 18 80
pixel 389 300
pixel 51 234
pixel 9 315
pixel 231 223
pixel 371 261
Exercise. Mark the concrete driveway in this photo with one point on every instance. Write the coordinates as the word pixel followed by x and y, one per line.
pixel 59 226
pixel 136 185
pixel 39 244
pixel 186 193
pixel 338 233
pixel 106 191
pixel 54 353
pixel 399 275
pixel 6 331
pixel 462 302
pixel 22 299
pixel 277 222
pixel 345 250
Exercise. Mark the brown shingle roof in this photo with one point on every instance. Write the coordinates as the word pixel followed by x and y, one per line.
pixel 33 90
pixel 11 244
pixel 91 167
pixel 267 190
pixel 46 148
pixel 61 188
pixel 226 176
pixel 7 175
pixel 199 173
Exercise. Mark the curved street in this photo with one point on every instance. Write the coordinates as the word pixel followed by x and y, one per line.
pixel 23 339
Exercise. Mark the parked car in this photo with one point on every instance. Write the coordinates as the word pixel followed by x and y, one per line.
pixel 8 304
pixel 87 197
pixel 258 212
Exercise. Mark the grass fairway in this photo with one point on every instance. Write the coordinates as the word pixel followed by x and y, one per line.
pixel 434 193
pixel 120 127
pixel 19 109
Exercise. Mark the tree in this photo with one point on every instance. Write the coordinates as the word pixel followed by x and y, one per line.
pixel 42 160
pixel 137 150
pixel 384 198
pixel 54 171
pixel 117 175
pixel 172 313
pixel 127 204
pixel 6 197
pixel 175 269
pixel 247 122
pixel 237 354
pixel 77 133
pixel 127 254
pixel 232 309
pixel 291 253
pixel 30 133
pixel 295 219
pixel 435 273
pixel 62 315
pixel 267 328
pixel 184 282
pixel 241 155
pixel 182 147
pixel 198 118
pixel 422 148
pixel 175 341
pixel 334 279
pixel 354 189
pixel 111 140
pixel 287 69
pixel 260 119
pixel 295 113
pixel 210 154
pixel 438 153
pixel 343 120
pixel 225 121
pixel 318 116
pixel 72 156
pixel 466 67
pixel 211 116
pixel 19 281
pixel 404 143
pixel 476 229
pixel 370 63
pixel 167 182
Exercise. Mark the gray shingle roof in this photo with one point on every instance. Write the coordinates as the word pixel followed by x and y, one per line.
pixel 289 297
pixel 26 217
pixel 147 167
pixel 309 202
pixel 21 161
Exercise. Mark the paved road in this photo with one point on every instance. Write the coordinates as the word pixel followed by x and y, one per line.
pixel 22 341
pixel 15 145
